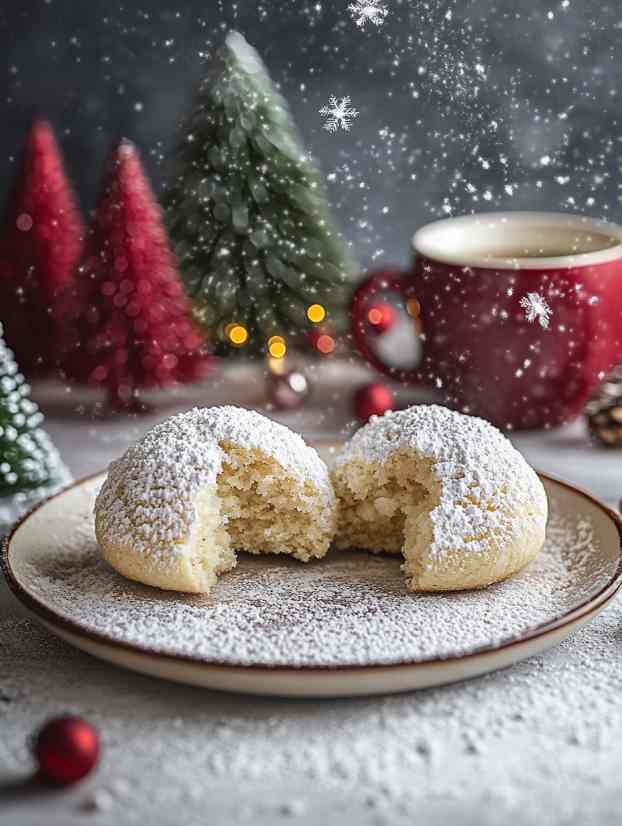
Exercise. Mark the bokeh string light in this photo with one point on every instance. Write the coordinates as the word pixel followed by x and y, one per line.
pixel 277 347
pixel 316 313
pixel 237 334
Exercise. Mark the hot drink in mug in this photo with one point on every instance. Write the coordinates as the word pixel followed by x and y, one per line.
pixel 519 313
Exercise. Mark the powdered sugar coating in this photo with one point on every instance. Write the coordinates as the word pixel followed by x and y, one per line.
pixel 482 475
pixel 148 499
pixel 250 429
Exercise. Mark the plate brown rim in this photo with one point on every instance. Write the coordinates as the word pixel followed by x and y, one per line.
pixel 42 611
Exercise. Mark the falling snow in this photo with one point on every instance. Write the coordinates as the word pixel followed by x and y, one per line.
pixel 368 11
pixel 536 307
pixel 339 114
pixel 468 107
pixel 537 99
pixel 460 111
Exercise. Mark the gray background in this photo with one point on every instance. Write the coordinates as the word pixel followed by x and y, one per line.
pixel 463 106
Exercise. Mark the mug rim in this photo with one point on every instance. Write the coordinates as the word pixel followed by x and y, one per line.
pixel 425 244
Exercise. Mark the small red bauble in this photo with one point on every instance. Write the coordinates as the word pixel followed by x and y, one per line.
pixel 66 749
pixel 372 400
pixel 288 390
pixel 381 317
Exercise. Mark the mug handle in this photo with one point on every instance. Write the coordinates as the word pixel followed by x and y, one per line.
pixel 379 281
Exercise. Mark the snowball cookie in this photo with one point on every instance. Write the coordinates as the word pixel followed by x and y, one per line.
pixel 204 484
pixel 449 491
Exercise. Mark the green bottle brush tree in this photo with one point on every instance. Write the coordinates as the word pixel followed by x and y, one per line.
pixel 248 216
pixel 30 466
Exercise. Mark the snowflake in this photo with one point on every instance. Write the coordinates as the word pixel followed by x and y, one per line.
pixel 368 11
pixel 339 113
pixel 536 306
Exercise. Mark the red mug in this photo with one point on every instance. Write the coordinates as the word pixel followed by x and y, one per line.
pixel 519 313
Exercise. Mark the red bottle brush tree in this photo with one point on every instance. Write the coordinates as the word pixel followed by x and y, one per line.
pixel 40 245
pixel 128 321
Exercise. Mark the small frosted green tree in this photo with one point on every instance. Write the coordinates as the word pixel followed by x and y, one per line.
pixel 28 459
pixel 248 216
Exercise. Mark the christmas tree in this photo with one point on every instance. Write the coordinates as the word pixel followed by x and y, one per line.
pixel 129 324
pixel 40 245
pixel 248 217
pixel 28 459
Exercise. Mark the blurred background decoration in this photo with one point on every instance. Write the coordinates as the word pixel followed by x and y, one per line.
pixel 462 106
pixel 452 109
pixel 260 256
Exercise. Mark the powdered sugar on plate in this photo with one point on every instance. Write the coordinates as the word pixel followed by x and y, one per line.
pixel 349 609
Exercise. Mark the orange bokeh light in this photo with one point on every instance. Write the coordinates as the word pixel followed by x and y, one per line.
pixel 374 316
pixel 413 308
pixel 325 344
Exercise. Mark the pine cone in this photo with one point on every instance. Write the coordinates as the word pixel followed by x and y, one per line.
pixel 604 412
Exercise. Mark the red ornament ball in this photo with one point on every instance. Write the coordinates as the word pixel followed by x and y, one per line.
pixel 372 400
pixel 381 317
pixel 288 390
pixel 66 750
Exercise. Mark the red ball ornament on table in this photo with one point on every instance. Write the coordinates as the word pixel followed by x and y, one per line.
pixel 288 390
pixel 381 317
pixel 373 399
pixel 66 750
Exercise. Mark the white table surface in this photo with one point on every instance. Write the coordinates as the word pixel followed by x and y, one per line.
pixel 539 743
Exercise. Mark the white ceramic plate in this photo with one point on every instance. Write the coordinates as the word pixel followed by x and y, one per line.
pixel 341 626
